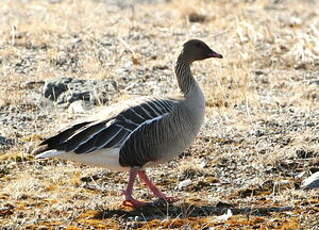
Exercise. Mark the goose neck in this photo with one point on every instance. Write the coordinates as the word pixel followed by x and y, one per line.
pixel 184 75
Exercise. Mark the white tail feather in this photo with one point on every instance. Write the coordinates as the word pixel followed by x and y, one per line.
pixel 49 154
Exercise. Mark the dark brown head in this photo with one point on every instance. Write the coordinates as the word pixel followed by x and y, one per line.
pixel 196 50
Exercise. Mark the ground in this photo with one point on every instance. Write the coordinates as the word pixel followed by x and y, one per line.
pixel 259 141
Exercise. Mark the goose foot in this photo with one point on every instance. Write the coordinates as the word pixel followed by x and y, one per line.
pixel 154 189
pixel 129 200
pixel 133 203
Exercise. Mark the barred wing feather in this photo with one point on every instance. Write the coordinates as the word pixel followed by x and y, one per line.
pixel 141 146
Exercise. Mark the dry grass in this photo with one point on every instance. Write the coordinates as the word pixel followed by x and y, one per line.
pixel 259 141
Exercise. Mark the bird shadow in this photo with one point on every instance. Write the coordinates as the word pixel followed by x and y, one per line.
pixel 162 210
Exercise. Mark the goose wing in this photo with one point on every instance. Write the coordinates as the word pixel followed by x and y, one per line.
pixel 144 144
pixel 112 132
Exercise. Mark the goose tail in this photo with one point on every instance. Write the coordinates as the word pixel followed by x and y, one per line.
pixel 43 152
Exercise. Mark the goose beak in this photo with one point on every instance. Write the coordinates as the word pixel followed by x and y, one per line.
pixel 213 54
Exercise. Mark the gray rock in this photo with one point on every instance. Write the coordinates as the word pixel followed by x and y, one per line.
pixel 63 91
pixel 314 82
pixel 78 107
pixel 183 184
pixel 5 143
pixel 53 88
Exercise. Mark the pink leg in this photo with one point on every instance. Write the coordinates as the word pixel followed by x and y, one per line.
pixel 153 187
pixel 129 200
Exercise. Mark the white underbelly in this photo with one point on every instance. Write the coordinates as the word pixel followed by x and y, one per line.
pixel 104 158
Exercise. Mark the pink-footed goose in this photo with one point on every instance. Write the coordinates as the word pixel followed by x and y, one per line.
pixel 152 131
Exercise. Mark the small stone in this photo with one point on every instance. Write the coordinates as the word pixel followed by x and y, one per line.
pixel 3 140
pixel 22 197
pixel 225 216
pixel 77 107
pixel 6 143
pixel 310 124
pixel 291 21
pixel 257 133
pixel 196 17
pixel 314 82
pixel 202 164
pixel 259 72
pixel 183 184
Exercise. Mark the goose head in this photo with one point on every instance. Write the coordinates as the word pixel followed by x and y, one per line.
pixel 196 50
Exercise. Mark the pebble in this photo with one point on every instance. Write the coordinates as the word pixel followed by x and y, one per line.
pixel 314 82
pixel 77 107
pixel 5 143
pixel 184 184
pixel 257 133
pixel 225 216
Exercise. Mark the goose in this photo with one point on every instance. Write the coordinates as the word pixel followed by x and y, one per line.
pixel 135 135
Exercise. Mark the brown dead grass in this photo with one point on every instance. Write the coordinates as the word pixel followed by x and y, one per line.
pixel 260 105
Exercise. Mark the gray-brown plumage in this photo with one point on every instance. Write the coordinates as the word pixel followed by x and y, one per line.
pixel 145 133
